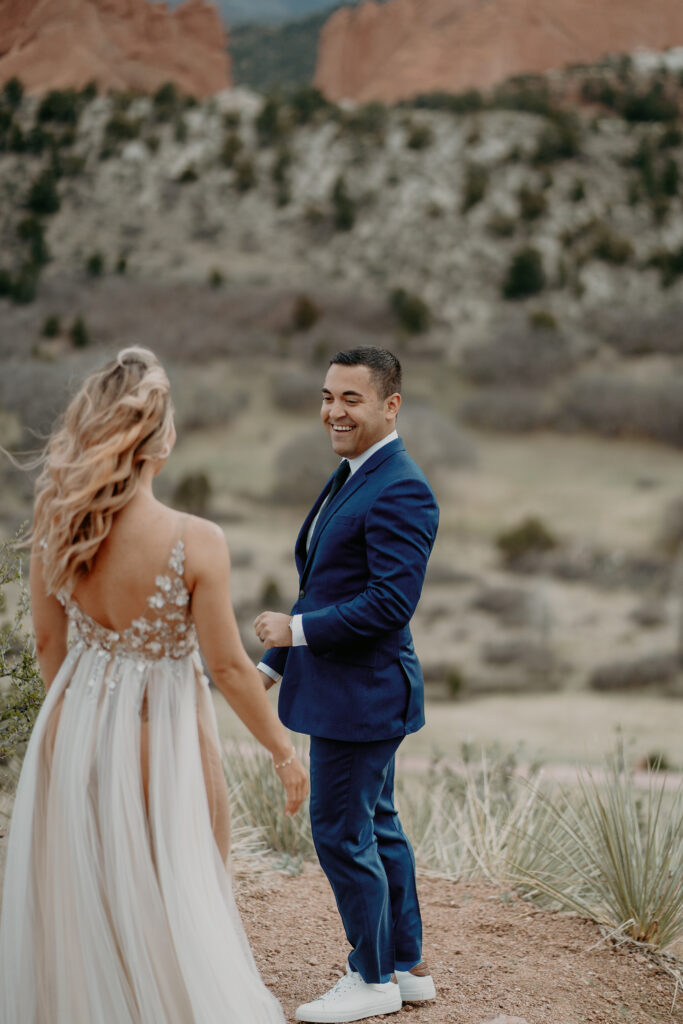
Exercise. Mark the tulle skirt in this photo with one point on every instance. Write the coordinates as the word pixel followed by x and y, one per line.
pixel 117 905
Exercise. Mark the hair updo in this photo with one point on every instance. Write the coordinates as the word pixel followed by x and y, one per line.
pixel 121 417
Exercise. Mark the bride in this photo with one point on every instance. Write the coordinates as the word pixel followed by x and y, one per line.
pixel 117 905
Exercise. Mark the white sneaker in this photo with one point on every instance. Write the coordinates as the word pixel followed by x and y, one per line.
pixel 416 987
pixel 351 999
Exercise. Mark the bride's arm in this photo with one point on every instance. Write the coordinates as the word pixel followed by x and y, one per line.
pixel 208 579
pixel 50 623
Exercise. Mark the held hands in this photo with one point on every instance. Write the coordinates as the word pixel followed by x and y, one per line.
pixel 294 778
pixel 272 629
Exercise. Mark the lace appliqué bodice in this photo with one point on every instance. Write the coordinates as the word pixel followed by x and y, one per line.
pixel 166 631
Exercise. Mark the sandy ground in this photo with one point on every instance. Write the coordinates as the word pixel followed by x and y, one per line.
pixel 491 954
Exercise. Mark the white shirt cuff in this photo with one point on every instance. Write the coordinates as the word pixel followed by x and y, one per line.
pixel 298 635
pixel 268 671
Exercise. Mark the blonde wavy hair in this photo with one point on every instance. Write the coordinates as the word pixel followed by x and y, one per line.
pixel 121 417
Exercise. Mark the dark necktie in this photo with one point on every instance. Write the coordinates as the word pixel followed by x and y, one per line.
pixel 340 478
pixel 338 481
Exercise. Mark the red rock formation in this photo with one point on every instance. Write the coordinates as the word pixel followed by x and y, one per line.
pixel 120 44
pixel 402 48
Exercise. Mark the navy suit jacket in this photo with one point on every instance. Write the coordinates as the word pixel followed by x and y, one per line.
pixel 358 678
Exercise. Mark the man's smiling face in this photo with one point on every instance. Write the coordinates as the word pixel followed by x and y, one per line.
pixel 353 413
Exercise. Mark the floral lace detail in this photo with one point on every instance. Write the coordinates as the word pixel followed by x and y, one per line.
pixel 170 634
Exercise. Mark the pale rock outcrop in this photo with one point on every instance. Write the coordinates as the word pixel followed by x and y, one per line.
pixel 120 44
pixel 401 48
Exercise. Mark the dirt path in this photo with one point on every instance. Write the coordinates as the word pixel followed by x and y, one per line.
pixel 491 954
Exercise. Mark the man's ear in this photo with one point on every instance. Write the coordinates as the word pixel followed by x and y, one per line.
pixel 392 405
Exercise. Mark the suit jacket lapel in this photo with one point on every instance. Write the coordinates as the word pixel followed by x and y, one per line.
pixel 355 481
pixel 300 546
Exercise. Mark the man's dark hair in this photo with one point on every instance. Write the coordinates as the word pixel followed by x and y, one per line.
pixel 384 367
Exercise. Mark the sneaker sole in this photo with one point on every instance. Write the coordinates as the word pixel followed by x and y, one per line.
pixel 339 1017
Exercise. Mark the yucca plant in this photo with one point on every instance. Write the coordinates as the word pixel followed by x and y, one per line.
pixel 612 853
pixel 257 801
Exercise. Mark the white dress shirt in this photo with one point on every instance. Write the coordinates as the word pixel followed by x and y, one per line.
pixel 296 623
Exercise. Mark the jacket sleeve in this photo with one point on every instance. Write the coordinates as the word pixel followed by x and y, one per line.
pixel 400 529
pixel 275 658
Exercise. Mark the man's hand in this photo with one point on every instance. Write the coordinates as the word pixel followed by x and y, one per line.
pixel 272 629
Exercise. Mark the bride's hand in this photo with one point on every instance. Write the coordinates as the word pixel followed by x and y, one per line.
pixel 294 778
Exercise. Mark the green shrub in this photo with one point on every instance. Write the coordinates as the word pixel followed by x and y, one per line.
pixel 525 275
pixel 469 102
pixel 166 101
pixel 232 147
pixel 656 761
pixel 51 326
pixel 20 702
pixel 193 493
pixel 216 278
pixel 369 120
pixel 16 142
pixel 611 247
pixel 79 333
pixel 532 203
pixel 31 230
pixel 245 174
pixel 671 137
pixel 25 284
pixel 412 312
pixel 530 536
pixel 281 165
pixel 122 265
pixel 94 264
pixel 118 129
pixel 306 103
pixel 475 186
pixel 500 225
pixel 419 136
pixel 669 263
pixel 60 105
pixel 89 92
pixel 269 122
pixel 528 93
pixel 43 197
pixel 180 130
pixel 5 283
pixel 455 683
pixel 188 176
pixel 13 92
pixel 652 104
pixel 542 320
pixel 558 140
pixel 343 206
pixel 577 191
pixel 660 206
pixel 305 313
pixel 670 179
pixel 271 595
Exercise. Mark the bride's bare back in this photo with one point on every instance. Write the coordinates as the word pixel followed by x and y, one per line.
pixel 135 553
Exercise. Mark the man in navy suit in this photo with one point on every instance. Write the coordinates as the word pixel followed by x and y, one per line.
pixel 350 679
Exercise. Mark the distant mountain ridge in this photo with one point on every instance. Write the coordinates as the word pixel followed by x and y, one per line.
pixel 270 12
pixel 399 49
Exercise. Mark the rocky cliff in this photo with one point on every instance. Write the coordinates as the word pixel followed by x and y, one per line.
pixel 120 44
pixel 402 48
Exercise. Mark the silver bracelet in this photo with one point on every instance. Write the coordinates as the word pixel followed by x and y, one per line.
pixel 283 764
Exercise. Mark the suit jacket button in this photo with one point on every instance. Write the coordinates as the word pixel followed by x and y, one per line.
pixel 302 593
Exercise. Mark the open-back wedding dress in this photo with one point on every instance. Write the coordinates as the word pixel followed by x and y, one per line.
pixel 117 904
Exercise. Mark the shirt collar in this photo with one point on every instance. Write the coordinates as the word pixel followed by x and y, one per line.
pixel 356 463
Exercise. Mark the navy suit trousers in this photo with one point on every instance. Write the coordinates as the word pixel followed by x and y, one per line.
pixel 365 853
